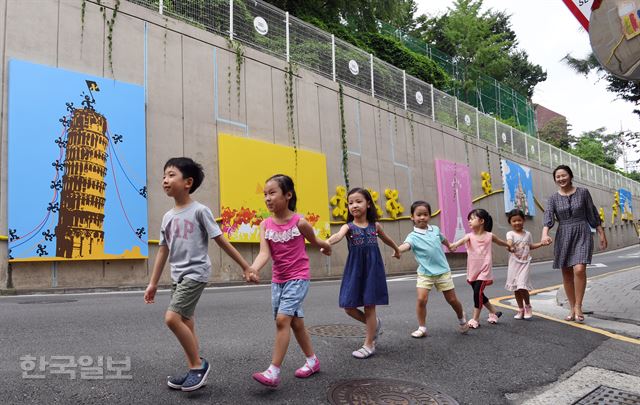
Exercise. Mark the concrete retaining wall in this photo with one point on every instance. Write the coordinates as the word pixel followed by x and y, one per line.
pixel 185 72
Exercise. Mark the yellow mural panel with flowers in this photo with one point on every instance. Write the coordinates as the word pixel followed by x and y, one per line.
pixel 245 164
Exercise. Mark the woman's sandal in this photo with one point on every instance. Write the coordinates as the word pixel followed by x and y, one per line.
pixel 363 353
pixel 419 333
pixel 579 319
pixel 570 318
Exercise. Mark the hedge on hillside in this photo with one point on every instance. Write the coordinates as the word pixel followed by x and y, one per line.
pixel 394 52
pixel 390 50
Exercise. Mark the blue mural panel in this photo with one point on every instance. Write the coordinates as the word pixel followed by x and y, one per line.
pixel 518 187
pixel 626 202
pixel 77 166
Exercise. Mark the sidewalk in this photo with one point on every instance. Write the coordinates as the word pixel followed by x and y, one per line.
pixel 614 297
pixel 611 303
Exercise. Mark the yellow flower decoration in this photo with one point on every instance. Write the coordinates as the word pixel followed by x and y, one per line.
pixel 374 197
pixel 324 233
pixel 486 182
pixel 601 212
pixel 392 205
pixel 615 207
pixel 339 201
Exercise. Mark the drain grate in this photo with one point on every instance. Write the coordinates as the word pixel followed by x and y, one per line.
pixel 338 330
pixel 606 395
pixel 48 301
pixel 385 391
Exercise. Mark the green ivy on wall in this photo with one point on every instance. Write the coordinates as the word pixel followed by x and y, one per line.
pixel 395 125
pixel 343 137
pixel 289 72
pixel 164 38
pixel 410 118
pixel 237 48
pixel 110 22
pixel 83 10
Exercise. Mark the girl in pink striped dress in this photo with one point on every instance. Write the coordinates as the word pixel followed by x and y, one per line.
pixel 480 262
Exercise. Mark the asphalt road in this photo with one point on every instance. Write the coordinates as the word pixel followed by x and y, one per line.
pixel 236 334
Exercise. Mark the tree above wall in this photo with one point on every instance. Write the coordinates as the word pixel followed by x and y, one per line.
pixel 481 41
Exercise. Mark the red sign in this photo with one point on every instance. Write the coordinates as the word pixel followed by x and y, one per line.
pixel 581 9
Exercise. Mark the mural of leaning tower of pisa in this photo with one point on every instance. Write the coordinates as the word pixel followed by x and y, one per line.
pixel 80 233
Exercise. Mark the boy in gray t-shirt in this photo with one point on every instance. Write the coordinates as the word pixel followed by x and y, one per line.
pixel 184 239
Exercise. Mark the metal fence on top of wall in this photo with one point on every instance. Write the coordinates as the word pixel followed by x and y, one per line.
pixel 271 30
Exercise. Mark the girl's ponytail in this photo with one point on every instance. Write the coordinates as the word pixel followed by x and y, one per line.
pixel 488 223
pixel 483 215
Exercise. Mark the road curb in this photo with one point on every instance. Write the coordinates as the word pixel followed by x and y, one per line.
pixel 498 302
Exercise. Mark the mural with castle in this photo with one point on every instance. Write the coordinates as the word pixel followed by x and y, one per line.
pixel 518 187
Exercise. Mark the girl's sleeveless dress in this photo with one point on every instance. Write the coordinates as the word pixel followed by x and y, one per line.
pixel 363 281
pixel 480 257
pixel 519 261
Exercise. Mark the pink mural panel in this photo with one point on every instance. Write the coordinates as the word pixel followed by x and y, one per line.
pixel 454 199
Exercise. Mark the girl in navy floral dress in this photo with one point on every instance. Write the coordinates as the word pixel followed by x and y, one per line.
pixel 364 283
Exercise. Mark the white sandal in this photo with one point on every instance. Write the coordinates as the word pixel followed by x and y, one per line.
pixel 363 352
pixel 419 333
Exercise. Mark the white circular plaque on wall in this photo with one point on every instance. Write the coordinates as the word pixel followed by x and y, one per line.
pixel 260 24
pixel 353 67
pixel 419 98
pixel 504 137
pixel 467 120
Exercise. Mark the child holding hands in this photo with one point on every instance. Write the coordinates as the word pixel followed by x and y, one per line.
pixel 364 282
pixel 184 236
pixel 520 242
pixel 480 262
pixel 433 269
pixel 282 238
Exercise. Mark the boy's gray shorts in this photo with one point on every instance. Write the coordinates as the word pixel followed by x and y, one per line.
pixel 185 296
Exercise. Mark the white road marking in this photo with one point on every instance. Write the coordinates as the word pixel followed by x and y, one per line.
pixel 630 256
pixel 596 265
pixel 411 278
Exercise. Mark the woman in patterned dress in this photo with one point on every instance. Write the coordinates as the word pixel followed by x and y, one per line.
pixel 576 214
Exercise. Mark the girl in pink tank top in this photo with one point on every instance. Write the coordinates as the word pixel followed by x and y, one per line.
pixel 480 262
pixel 282 238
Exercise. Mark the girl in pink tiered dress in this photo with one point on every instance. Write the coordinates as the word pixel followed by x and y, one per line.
pixel 520 242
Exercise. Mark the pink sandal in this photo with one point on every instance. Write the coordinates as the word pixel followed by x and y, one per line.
pixel 266 378
pixel 528 312
pixel 473 324
pixel 493 318
pixel 307 371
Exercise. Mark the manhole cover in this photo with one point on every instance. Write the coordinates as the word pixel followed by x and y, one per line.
pixel 607 395
pixel 338 330
pixel 385 391
pixel 48 301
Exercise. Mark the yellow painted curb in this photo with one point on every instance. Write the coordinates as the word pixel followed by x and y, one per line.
pixel 496 302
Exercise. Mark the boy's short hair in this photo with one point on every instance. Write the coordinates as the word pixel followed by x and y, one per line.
pixel 420 203
pixel 189 168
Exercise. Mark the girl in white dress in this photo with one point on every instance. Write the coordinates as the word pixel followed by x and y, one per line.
pixel 520 242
